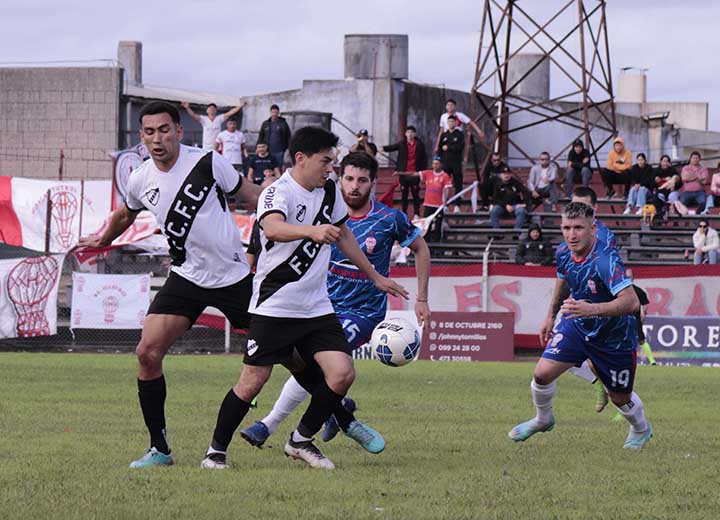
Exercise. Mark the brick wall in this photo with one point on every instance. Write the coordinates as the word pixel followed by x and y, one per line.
pixel 44 110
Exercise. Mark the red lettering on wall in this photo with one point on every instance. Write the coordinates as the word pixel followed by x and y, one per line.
pixel 498 292
pixel 697 305
pixel 659 301
pixel 468 297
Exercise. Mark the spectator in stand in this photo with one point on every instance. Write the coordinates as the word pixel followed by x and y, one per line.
pixel 692 191
pixel 261 163
pixel 533 250
pixel 714 192
pixel 510 198
pixel 461 119
pixel 617 167
pixel 437 185
pixel 212 122
pixel 276 133
pixel 666 180
pixel 411 158
pixel 578 166
pixel 541 181
pixel 706 243
pixel 452 144
pixel 642 182
pixel 490 175
pixel 363 144
pixel 231 144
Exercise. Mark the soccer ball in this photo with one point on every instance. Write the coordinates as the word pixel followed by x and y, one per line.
pixel 396 342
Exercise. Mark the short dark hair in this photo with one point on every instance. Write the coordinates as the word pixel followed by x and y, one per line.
pixel 545 153
pixel 361 160
pixel 665 156
pixel 495 154
pixel 641 155
pixel 578 210
pixel 505 169
pixel 578 142
pixel 274 107
pixel 411 127
pixel 260 142
pixel 451 100
pixel 310 140
pixel 695 153
pixel 585 191
pixel 212 105
pixel 160 107
pixel 452 117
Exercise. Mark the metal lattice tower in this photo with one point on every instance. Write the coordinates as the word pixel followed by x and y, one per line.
pixel 571 41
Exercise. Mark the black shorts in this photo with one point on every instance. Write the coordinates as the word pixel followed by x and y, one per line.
pixel 181 297
pixel 271 341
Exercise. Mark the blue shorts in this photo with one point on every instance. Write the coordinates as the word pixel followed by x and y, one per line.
pixel 358 329
pixel 615 368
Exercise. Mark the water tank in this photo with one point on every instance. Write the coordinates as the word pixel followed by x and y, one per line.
pixel 376 56
pixel 300 118
pixel 537 84
pixel 631 87
pixel 130 57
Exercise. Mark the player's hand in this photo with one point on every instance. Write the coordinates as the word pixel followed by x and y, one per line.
pixel 422 312
pixel 185 104
pixel 325 234
pixel 546 331
pixel 577 308
pixel 91 242
pixel 391 287
pixel 444 148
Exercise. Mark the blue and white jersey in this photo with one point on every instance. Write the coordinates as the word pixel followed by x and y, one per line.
pixel 604 236
pixel 348 287
pixel 597 279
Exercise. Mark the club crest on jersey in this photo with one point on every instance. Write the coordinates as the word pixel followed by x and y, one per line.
pixel 370 244
pixel 252 347
pixel 301 211
pixel 153 196
pixel 592 287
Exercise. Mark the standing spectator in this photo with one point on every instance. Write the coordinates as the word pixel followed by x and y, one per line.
pixel 231 144
pixel 363 144
pixel 437 184
pixel 541 181
pixel 642 181
pixel 490 175
pixel 692 191
pixel 578 166
pixel 261 163
pixel 617 167
pixel 411 158
pixel 452 144
pixel 706 243
pixel 714 192
pixel 461 119
pixel 666 180
pixel 212 122
pixel 276 133
pixel 533 250
pixel 510 198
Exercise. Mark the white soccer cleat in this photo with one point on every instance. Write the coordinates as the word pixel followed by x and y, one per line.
pixel 308 452
pixel 215 460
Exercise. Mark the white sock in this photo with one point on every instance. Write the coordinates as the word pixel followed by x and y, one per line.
pixel 212 450
pixel 634 412
pixel 542 399
pixel 297 437
pixel 584 372
pixel 290 398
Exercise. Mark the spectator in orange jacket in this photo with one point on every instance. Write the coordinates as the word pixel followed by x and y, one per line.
pixel 617 167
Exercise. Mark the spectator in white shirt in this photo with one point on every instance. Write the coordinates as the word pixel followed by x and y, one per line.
pixel 706 243
pixel 212 122
pixel 462 120
pixel 541 181
pixel 231 144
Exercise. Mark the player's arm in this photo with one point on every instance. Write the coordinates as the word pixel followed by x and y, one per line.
pixel 559 295
pixel 625 302
pixel 277 230
pixel 121 219
pixel 347 243
pixel 190 112
pixel 406 174
pixel 476 129
pixel 422 267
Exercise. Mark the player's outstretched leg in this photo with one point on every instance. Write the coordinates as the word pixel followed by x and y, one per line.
pixel 632 409
pixel 543 421
pixel 331 427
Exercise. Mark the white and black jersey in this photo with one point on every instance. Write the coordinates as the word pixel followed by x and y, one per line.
pixel 191 209
pixel 291 277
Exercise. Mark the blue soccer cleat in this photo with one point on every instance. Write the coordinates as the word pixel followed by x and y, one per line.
pixel 256 434
pixel 524 431
pixel 331 427
pixel 636 441
pixel 366 437
pixel 153 457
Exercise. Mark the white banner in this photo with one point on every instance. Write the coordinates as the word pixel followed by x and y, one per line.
pixel 109 301
pixel 28 299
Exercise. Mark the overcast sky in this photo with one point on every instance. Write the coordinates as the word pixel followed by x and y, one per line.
pixel 247 47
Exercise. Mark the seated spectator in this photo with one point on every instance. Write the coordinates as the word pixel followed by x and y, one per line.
pixel 617 167
pixel 706 243
pixel 363 144
pixel 714 192
pixel 667 179
pixel 510 198
pixel 262 161
pixel 642 182
pixel 411 158
pixel 578 166
pixel 692 191
pixel 491 173
pixel 533 250
pixel 541 181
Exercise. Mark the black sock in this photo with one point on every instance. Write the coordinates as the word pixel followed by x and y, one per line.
pixel 309 378
pixel 323 404
pixel 152 403
pixel 232 412
pixel 343 416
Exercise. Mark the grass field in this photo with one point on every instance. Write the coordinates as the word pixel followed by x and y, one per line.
pixel 70 424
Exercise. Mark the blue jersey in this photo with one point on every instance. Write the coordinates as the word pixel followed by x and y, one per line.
pixel 349 289
pixel 604 236
pixel 598 278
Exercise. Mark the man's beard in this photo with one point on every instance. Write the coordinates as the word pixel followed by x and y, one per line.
pixel 357 203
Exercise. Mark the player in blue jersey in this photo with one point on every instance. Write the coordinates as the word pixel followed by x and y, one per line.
pixel 357 303
pixel 597 322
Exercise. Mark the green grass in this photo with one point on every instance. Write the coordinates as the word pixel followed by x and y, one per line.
pixel 70 424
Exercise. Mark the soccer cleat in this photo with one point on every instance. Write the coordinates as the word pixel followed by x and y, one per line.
pixel 331 427
pixel 524 431
pixel 153 457
pixel 637 440
pixel 308 452
pixel 366 437
pixel 601 396
pixel 256 434
pixel 214 460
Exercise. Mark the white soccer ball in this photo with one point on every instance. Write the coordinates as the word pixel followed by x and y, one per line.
pixel 395 342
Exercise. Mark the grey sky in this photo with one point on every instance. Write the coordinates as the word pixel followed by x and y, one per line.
pixel 248 47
